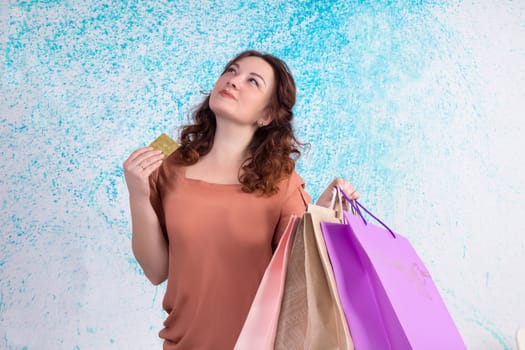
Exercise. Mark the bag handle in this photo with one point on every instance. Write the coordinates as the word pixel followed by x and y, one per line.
pixel 356 206
pixel 336 204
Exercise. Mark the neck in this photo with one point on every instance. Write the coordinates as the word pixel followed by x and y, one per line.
pixel 231 141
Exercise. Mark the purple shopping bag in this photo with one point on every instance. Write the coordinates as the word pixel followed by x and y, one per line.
pixel 388 296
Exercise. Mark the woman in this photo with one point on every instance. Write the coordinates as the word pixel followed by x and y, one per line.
pixel 208 217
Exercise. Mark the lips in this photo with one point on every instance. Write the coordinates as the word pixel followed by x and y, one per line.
pixel 227 94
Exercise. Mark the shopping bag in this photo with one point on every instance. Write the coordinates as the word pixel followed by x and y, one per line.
pixel 258 332
pixel 388 296
pixel 311 314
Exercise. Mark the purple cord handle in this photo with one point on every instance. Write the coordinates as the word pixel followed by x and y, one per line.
pixel 356 205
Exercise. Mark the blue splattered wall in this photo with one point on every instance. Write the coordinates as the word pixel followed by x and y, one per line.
pixel 419 103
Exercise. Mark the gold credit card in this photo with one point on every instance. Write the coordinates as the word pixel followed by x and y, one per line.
pixel 165 144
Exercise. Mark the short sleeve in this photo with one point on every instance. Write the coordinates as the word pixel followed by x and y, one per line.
pixel 294 204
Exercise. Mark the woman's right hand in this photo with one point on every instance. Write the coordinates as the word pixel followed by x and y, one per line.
pixel 137 169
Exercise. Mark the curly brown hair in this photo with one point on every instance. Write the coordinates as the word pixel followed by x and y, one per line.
pixel 273 149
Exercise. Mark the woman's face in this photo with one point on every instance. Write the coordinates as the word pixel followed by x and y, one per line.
pixel 242 94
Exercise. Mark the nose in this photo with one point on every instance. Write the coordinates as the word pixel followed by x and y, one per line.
pixel 233 82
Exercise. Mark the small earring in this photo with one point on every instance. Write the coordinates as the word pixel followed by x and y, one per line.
pixel 260 123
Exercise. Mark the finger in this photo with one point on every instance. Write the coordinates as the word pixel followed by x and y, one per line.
pixel 344 185
pixel 137 153
pixel 152 162
pixel 144 159
pixel 150 156
pixel 339 182
pixel 354 195
pixel 152 166
pixel 348 188
pixel 140 152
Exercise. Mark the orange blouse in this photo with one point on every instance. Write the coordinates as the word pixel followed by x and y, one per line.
pixel 220 242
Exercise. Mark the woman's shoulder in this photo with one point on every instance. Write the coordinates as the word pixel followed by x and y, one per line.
pixel 292 192
pixel 295 179
pixel 292 183
pixel 169 170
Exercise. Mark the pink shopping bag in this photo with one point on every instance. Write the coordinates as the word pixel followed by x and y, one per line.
pixel 260 327
pixel 388 296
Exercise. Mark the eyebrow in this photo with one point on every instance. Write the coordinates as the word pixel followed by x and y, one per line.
pixel 251 73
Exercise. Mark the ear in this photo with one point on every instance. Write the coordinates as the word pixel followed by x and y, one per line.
pixel 266 119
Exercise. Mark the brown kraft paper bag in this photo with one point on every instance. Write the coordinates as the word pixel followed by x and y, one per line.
pixel 311 315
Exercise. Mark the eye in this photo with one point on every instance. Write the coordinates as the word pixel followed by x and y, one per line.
pixel 254 82
pixel 230 70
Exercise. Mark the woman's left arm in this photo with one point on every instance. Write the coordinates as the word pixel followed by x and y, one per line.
pixel 326 197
